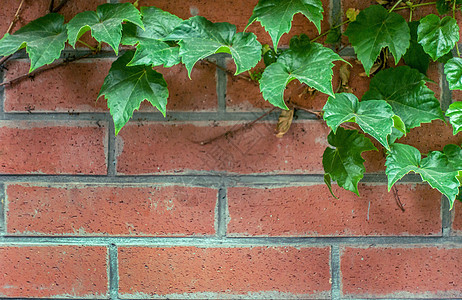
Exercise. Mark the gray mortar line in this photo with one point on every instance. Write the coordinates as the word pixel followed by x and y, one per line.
pixel 221 83
pixel 113 272
pixel 2 209
pixel 335 272
pixel 221 214
pixel 335 12
pixel 446 217
pixel 216 242
pixel 111 150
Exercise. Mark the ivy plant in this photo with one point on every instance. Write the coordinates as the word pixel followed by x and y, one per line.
pixel 398 100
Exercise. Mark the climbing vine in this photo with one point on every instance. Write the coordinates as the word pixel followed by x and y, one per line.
pixel 397 101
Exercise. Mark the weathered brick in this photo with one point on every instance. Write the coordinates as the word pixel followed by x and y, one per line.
pixel 53 271
pixel 75 88
pixel 98 210
pixel 312 211
pixel 52 148
pixel 388 272
pixel 218 271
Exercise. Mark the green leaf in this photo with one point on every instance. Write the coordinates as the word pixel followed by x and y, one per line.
pixel 200 38
pixel 334 36
pixel 443 6
pixel 105 24
pixel 126 87
pixel 436 36
pixel 454 155
pixel 150 49
pixel 399 124
pixel 453 71
pixel 328 182
pixel 415 56
pixel 375 29
pixel 434 169
pixel 43 38
pixel 310 63
pixel 375 117
pixel 405 90
pixel 454 113
pixel 344 162
pixel 276 15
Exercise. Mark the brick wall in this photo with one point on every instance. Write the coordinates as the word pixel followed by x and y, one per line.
pixel 152 213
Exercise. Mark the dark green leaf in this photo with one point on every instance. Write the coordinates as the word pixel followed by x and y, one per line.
pixel 434 169
pixel 375 29
pixel 43 38
pixel 405 90
pixel 344 162
pixel 374 117
pixel 310 64
pixel 443 6
pixel 151 50
pixel 126 87
pixel 105 24
pixel 328 182
pixel 333 37
pixel 276 15
pixel 436 36
pixel 453 71
pixel 200 38
pixel 454 113
pixel 415 56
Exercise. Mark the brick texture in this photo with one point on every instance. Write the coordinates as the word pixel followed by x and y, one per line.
pixel 311 211
pixel 60 271
pixel 90 210
pixel 401 272
pixel 53 148
pixel 185 270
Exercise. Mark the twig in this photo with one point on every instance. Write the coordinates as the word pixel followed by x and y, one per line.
pixel 233 131
pixel 327 32
pixel 15 18
pixel 51 6
pixel 229 72
pixel 43 69
pixel 394 6
pixel 60 5
pixel 397 199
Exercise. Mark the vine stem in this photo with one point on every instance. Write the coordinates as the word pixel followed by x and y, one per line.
pixel 15 18
pixel 394 6
pixel 327 32
pixel 229 72
pixel 85 44
pixel 415 5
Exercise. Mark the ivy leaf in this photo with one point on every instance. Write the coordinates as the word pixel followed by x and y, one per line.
pixel 125 87
pixel 200 38
pixel 344 163
pixel 43 38
pixel 453 71
pixel 105 24
pixel 434 169
pixel 276 15
pixel 310 63
pixel 374 29
pixel 375 117
pixel 436 36
pixel 454 155
pixel 415 56
pixel 151 50
pixel 442 6
pixel 405 90
pixel 454 113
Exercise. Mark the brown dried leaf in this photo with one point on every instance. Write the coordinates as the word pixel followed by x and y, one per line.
pixel 285 120
pixel 344 74
pixel 382 2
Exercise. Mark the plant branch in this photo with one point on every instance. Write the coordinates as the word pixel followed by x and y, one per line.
pixel 234 131
pixel 229 72
pixel 44 69
pixel 15 18
pixel 327 32
pixel 60 5
pixel 394 6
pixel 415 5
pixel 85 44
pixel 397 199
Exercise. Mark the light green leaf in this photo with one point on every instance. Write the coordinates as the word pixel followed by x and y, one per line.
pixel 105 24
pixel 399 124
pixel 43 38
pixel 276 15
pixel 200 38
pixel 150 49
pixel 310 63
pixel 126 87
pixel 453 71
pixel 454 113
pixel 415 56
pixel 405 90
pixel 375 117
pixel 436 36
pixel 344 162
pixel 434 169
pixel 374 29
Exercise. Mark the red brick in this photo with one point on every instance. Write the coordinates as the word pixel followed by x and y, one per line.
pixel 219 271
pixel 52 148
pixel 237 13
pixel 97 210
pixel 401 272
pixel 312 211
pixel 75 88
pixel 60 271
